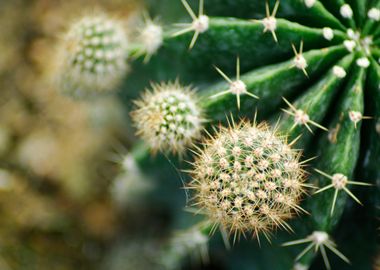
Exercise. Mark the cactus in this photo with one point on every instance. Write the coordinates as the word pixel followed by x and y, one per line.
pixel 248 180
pixel 310 68
pixel 168 118
pixel 93 57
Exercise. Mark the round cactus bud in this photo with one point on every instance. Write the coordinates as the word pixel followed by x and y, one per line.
pixel 93 57
pixel 248 179
pixel 168 118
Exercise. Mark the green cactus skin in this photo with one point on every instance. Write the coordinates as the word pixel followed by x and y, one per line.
pixel 268 71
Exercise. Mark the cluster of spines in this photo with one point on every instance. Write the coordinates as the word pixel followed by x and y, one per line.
pixel 248 179
pixel 317 241
pixel 150 37
pixel 94 56
pixel 168 118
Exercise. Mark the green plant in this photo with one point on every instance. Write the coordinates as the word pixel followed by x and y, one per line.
pixel 92 58
pixel 325 88
pixel 248 180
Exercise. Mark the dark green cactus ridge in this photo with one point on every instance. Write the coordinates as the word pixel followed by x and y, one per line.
pixel 314 68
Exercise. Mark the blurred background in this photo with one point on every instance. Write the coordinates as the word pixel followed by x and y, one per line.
pixel 57 156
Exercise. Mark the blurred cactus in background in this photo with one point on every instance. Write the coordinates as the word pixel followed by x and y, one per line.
pixel 94 55
pixel 199 134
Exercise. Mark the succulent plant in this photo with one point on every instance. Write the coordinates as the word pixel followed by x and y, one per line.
pixel 310 68
pixel 93 57
pixel 248 180
pixel 168 118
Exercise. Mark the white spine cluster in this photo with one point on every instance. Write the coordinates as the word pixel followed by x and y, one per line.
pixel 318 240
pixel 299 60
pixel 237 87
pixel 374 14
pixel 270 21
pixel 168 118
pixel 93 57
pixel 328 33
pixel 346 11
pixel 301 117
pixel 339 72
pixel 363 62
pixel 310 3
pixel 339 182
pixel 151 38
pixel 199 25
pixel 355 116
pixel 270 24
pixel 350 45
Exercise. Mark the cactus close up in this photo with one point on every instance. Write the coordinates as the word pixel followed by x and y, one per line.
pixel 310 69
pixel 252 132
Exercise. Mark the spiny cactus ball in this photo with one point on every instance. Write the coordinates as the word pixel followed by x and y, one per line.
pixel 93 57
pixel 168 118
pixel 248 179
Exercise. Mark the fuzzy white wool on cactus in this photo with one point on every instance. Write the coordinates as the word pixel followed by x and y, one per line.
pixel 350 45
pixel 328 33
pixel 374 14
pixel 339 71
pixel 310 3
pixel 201 24
pixel 346 11
pixel 363 62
